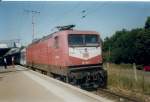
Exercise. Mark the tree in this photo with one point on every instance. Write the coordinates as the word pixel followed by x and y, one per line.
pixel 143 47
pixel 147 23
pixel 129 46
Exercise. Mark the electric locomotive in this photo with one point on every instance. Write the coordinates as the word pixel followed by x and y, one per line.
pixel 70 55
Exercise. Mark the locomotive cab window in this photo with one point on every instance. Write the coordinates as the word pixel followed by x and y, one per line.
pixel 56 42
pixel 91 39
pixel 75 39
pixel 83 40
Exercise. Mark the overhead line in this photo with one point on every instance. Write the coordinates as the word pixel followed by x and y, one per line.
pixel 95 9
pixel 66 13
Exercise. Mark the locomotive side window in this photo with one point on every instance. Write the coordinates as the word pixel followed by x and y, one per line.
pixel 83 39
pixel 56 42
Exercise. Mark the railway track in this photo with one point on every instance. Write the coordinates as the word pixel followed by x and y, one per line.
pixel 117 97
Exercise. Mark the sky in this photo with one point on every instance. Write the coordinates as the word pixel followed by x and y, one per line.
pixel 103 17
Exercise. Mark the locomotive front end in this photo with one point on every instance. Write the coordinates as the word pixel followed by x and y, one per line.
pixel 85 58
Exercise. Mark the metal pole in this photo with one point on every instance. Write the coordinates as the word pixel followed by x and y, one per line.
pixel 33 27
pixel 109 57
pixel 135 73
pixel 33 21
pixel 109 53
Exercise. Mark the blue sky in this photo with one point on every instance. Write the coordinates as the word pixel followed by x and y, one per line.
pixel 104 17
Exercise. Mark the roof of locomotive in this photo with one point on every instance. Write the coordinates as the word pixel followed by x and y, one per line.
pixel 67 32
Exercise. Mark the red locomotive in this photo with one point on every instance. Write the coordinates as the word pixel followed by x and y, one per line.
pixel 70 55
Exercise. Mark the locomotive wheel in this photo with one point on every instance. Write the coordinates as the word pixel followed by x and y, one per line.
pixel 102 79
pixel 72 81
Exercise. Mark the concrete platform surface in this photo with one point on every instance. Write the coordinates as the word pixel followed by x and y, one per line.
pixel 20 84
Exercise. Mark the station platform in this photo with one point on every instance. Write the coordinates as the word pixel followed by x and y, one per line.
pixel 20 84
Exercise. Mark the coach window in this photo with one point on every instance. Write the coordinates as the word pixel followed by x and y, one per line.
pixel 56 42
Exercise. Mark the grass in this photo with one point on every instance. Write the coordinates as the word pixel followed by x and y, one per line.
pixel 122 77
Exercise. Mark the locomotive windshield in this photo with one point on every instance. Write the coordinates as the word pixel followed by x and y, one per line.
pixel 83 40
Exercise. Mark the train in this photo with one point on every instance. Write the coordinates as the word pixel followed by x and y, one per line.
pixel 70 55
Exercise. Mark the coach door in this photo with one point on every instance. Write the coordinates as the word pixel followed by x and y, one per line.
pixel 56 50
